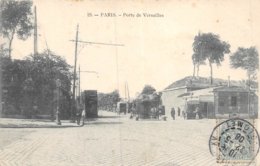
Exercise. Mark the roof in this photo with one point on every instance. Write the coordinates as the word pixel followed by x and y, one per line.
pixel 201 82
pixel 230 89
pixel 204 92
pixel 208 93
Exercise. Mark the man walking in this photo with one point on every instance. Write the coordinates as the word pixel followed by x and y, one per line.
pixel 173 113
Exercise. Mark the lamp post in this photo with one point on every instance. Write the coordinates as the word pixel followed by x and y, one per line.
pixel 58 85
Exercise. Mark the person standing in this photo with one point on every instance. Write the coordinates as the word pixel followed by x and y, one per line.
pixel 179 111
pixel 197 112
pixel 173 113
pixel 78 116
pixel 83 116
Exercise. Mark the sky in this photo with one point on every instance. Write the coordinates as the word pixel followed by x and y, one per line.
pixel 157 50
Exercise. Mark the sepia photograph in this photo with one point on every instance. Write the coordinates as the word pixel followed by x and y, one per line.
pixel 129 83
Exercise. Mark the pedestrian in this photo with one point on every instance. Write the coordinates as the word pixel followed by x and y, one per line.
pixel 173 113
pixel 184 114
pixel 78 116
pixel 83 116
pixel 197 111
pixel 58 117
pixel 179 111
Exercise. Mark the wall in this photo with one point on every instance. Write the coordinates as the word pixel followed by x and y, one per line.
pixel 170 99
pixel 226 108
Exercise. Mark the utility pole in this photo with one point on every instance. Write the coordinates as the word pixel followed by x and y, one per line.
pixel 75 61
pixel 1 85
pixel 79 87
pixel 35 32
pixel 128 95
pixel 74 75
pixel 125 91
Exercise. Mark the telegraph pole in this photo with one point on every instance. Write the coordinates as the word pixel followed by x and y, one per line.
pixel 75 62
pixel 79 87
pixel 35 32
pixel 1 85
pixel 74 75
pixel 128 95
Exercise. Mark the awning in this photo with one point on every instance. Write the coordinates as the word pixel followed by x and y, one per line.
pixel 185 94
pixel 193 102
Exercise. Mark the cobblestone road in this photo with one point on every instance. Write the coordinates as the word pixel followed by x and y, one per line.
pixel 114 141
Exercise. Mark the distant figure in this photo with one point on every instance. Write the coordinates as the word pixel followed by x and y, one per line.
pixel 83 116
pixel 58 117
pixel 184 114
pixel 173 113
pixel 179 111
pixel 78 116
pixel 157 113
pixel 197 111
pixel 81 113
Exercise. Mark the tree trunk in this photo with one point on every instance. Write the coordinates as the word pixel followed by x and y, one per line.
pixel 248 75
pixel 10 45
pixel 193 70
pixel 198 70
pixel 211 73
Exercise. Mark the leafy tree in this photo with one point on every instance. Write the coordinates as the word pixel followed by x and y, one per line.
pixel 197 60
pixel 208 46
pixel 148 89
pixel 15 19
pixel 45 70
pixel 108 100
pixel 32 82
pixel 247 59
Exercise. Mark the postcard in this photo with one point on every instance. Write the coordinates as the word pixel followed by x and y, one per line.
pixel 136 82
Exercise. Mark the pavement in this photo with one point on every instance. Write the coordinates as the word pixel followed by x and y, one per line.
pixel 110 140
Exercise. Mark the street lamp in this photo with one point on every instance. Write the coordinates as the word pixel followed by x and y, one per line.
pixel 58 85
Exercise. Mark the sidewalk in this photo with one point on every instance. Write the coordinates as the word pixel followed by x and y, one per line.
pixel 33 123
pixel 103 117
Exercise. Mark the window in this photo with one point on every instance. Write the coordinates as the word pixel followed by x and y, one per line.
pixel 233 101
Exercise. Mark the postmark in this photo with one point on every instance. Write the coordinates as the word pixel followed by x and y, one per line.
pixel 234 141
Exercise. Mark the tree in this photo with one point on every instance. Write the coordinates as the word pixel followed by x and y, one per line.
pixel 15 19
pixel 208 46
pixel 247 59
pixel 197 60
pixel 148 89
pixel 108 100
pixel 32 82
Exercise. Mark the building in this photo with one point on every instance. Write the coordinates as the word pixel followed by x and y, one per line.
pixel 203 99
pixel 221 102
pixel 235 102
pixel 172 96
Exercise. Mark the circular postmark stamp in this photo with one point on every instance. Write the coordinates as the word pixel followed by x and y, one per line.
pixel 234 141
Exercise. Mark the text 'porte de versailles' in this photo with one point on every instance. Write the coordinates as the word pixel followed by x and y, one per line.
pixel 148 15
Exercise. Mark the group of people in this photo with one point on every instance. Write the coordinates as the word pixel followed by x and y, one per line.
pixel 179 112
pixel 196 112
pixel 173 112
